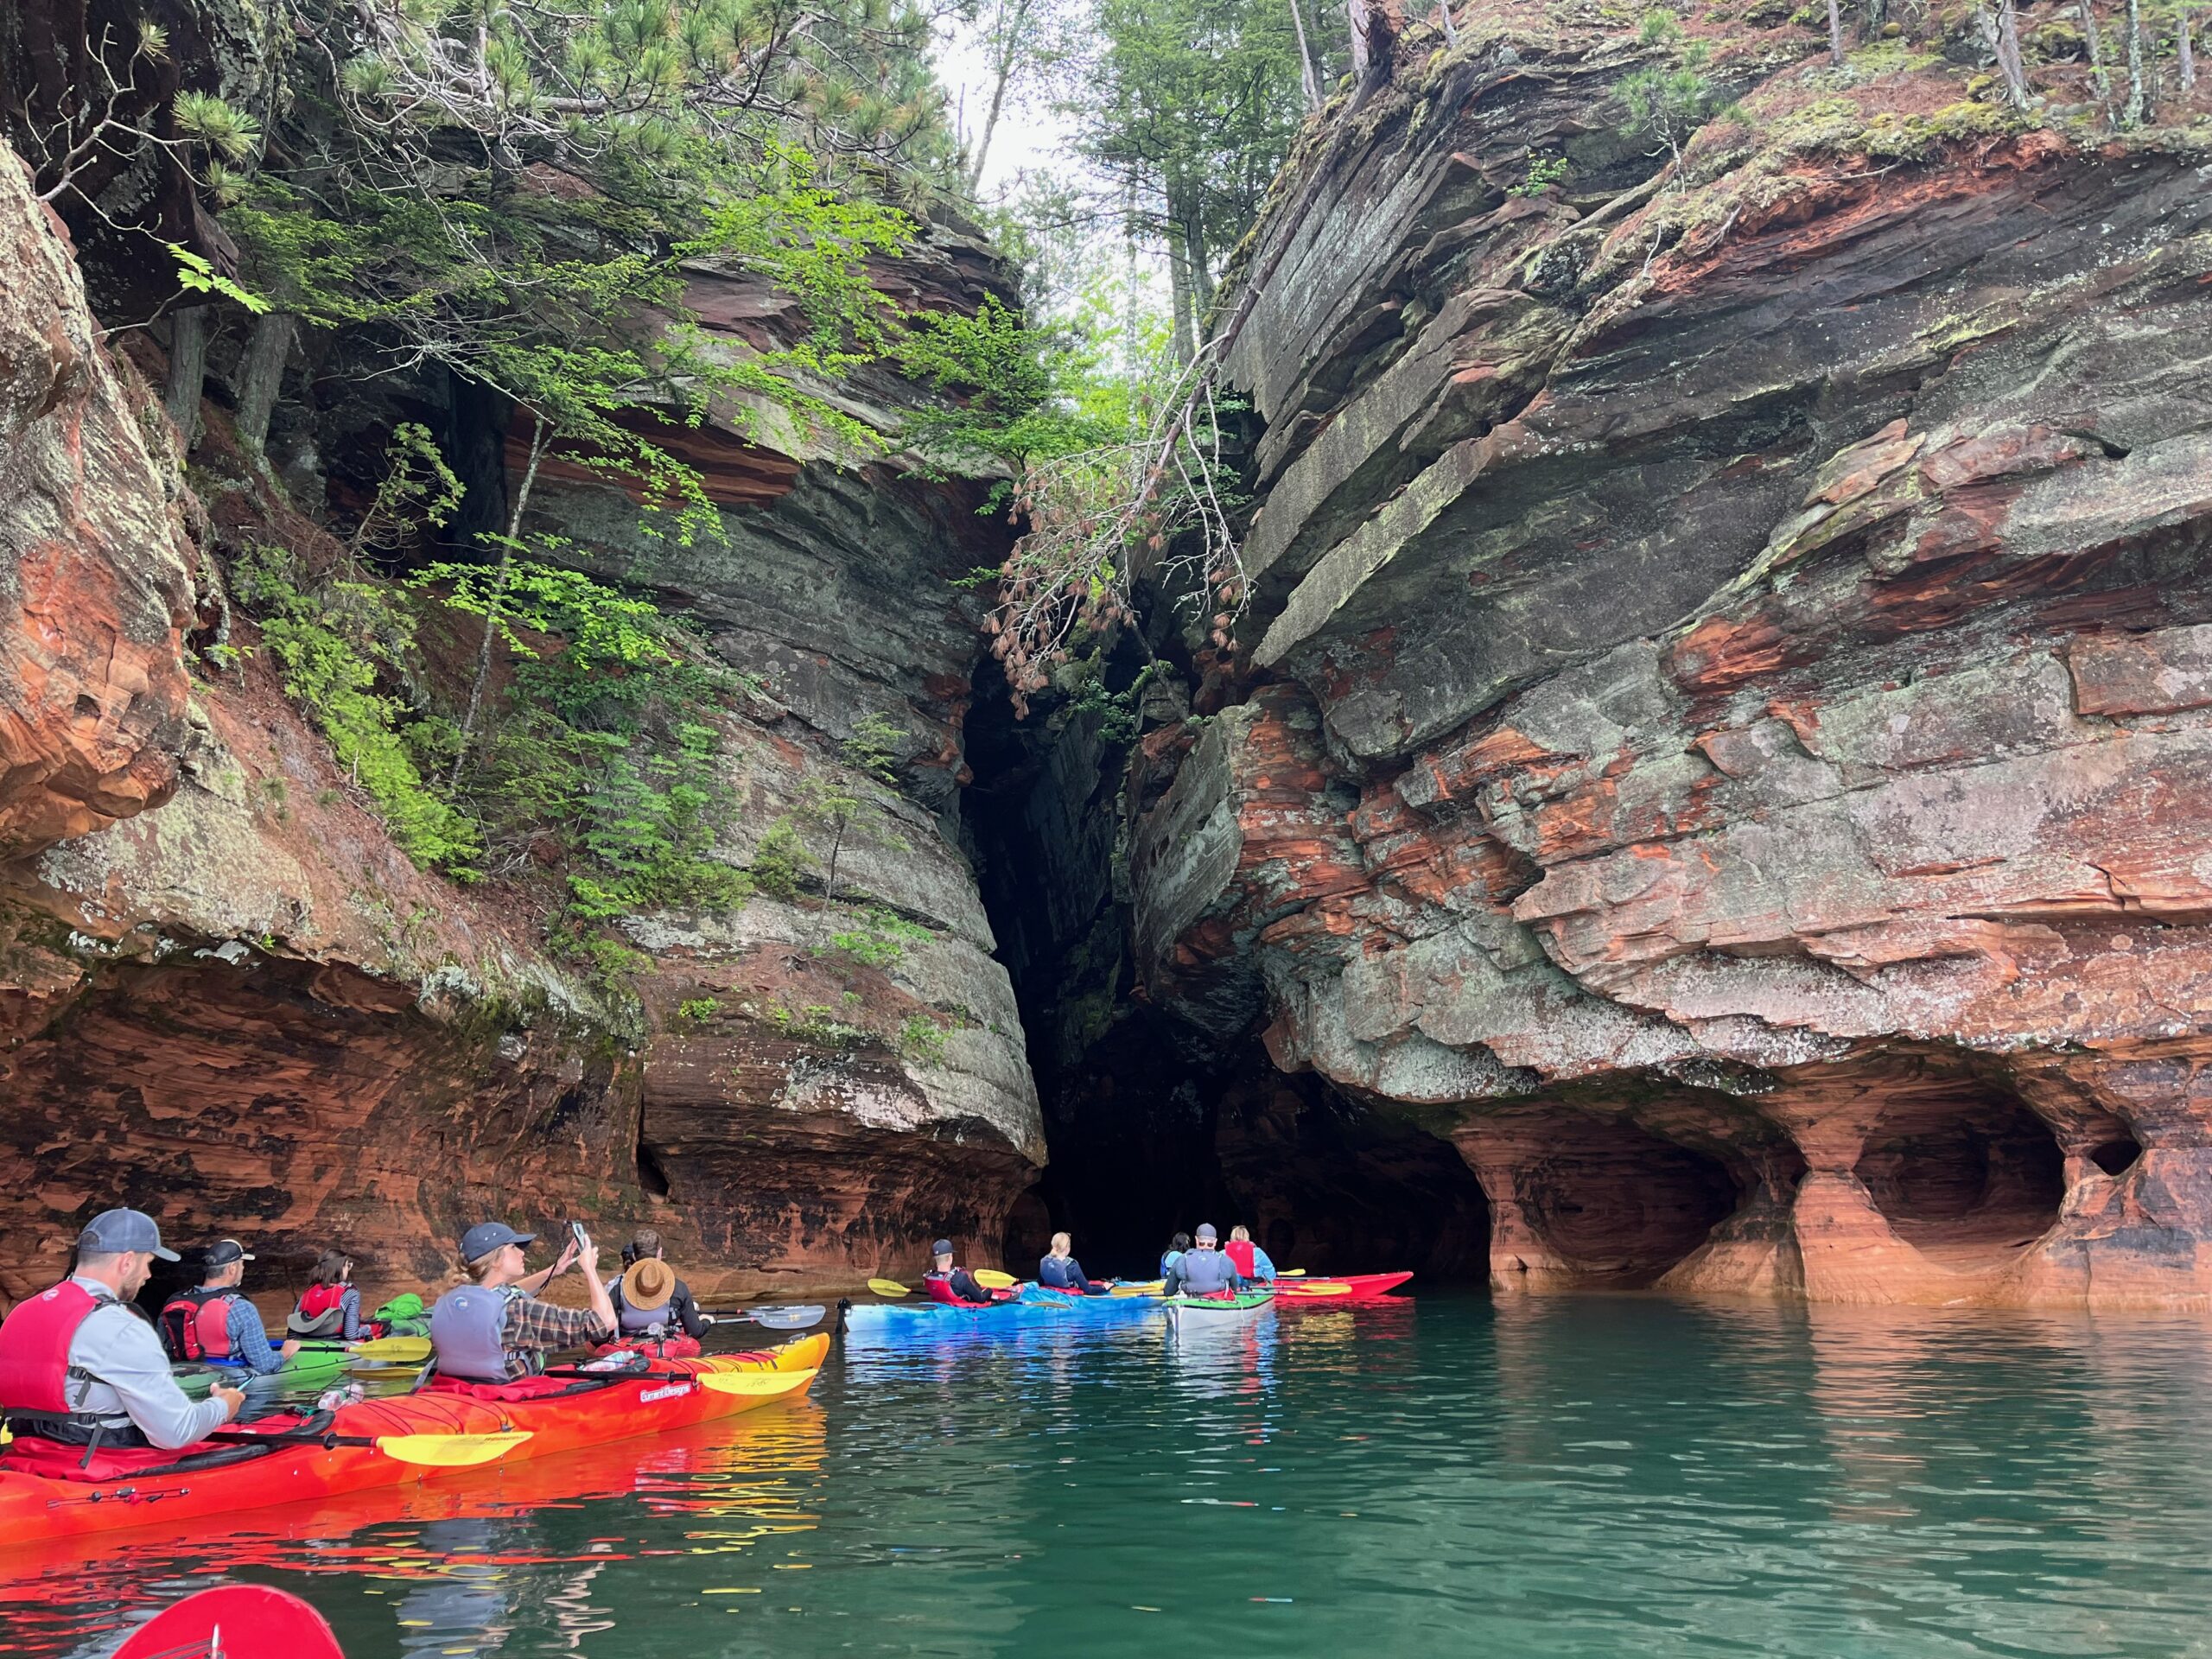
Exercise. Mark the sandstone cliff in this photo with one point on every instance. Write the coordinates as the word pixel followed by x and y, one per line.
pixel 233 1001
pixel 1729 745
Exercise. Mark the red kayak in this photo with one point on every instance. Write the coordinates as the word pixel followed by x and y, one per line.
pixel 1358 1287
pixel 233 1621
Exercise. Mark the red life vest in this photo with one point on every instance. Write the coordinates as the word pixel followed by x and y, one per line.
pixel 321 1312
pixel 1239 1252
pixel 318 1300
pixel 196 1323
pixel 35 1340
pixel 940 1287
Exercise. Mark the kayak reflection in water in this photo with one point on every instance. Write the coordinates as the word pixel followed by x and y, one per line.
pixel 957 1287
pixel 1173 1253
pixel 1060 1270
pixel 1250 1261
pixel 1202 1270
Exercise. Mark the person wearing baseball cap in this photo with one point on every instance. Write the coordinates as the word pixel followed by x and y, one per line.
pixel 215 1323
pixel 1202 1270
pixel 957 1287
pixel 496 1330
pixel 80 1365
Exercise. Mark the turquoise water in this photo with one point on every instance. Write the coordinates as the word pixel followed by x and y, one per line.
pixel 1595 1477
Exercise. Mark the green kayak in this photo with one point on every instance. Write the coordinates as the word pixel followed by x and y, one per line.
pixel 1204 1313
pixel 315 1366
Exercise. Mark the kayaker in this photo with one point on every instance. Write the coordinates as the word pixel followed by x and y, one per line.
pixel 654 1301
pixel 957 1285
pixel 1173 1253
pixel 1202 1270
pixel 80 1364
pixel 330 1305
pixel 1250 1261
pixel 217 1322
pixel 496 1330
pixel 1059 1270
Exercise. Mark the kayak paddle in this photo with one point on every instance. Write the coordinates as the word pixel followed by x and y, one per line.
pixel 404 1349
pixel 794 1316
pixel 888 1288
pixel 450 1451
pixel 759 1385
pixel 991 1278
pixel 1313 1292
pixel 1146 1287
pixel 429 1451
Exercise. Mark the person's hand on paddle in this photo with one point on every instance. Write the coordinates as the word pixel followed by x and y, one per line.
pixel 233 1399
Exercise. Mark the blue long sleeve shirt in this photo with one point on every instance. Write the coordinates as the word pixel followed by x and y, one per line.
pixel 249 1342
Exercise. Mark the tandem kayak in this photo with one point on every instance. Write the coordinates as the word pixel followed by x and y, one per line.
pixel 1358 1287
pixel 46 1493
pixel 1035 1308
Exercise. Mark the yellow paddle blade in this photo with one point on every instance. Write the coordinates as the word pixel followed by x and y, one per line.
pixel 1292 1272
pixel 1296 1291
pixel 450 1451
pixel 405 1350
pixel 991 1278
pixel 888 1288
pixel 759 1385
pixel 1150 1287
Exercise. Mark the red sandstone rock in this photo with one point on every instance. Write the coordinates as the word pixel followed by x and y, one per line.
pixel 95 568
pixel 1772 728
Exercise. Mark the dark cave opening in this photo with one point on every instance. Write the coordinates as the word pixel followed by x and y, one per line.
pixel 1152 1127
pixel 1958 1168
pixel 1620 1204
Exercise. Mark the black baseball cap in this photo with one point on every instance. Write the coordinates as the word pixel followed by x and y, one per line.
pixel 487 1236
pixel 224 1251
pixel 943 1247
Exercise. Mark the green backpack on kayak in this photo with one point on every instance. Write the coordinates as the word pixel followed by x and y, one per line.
pixel 403 1316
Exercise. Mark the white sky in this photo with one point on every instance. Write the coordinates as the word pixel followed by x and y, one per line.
pixel 1030 133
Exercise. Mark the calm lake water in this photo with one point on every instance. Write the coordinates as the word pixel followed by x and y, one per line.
pixel 1615 1476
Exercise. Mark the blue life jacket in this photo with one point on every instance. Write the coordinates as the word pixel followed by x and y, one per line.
pixel 1167 1260
pixel 468 1331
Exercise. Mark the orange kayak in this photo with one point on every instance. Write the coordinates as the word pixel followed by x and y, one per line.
pixel 41 1505
pixel 1360 1286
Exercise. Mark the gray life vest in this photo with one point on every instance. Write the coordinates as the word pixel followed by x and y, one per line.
pixel 1204 1272
pixel 635 1321
pixel 467 1331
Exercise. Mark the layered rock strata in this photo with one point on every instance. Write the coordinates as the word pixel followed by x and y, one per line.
pixel 1740 731
pixel 230 1000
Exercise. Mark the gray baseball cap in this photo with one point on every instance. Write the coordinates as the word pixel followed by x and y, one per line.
pixel 224 1251
pixel 487 1236
pixel 1205 1230
pixel 113 1231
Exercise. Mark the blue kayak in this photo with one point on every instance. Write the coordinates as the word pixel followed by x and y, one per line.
pixel 1033 1308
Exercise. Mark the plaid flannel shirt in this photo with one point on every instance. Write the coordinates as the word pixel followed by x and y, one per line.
pixel 532 1327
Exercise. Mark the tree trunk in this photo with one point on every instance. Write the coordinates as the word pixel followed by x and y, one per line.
pixel 539 437
pixel 1179 290
pixel 1013 18
pixel 187 373
pixel 1308 76
pixel 2187 50
pixel 261 375
pixel 2095 41
pixel 2138 98
pixel 1835 33
pixel 1195 250
pixel 2002 35
pixel 837 846
pixel 1443 16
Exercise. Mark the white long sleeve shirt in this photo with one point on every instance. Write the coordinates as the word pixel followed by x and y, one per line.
pixel 123 1354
